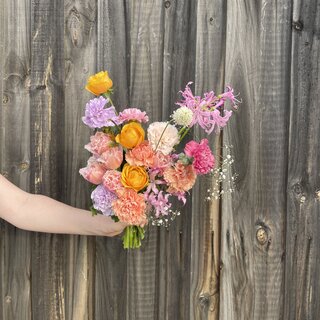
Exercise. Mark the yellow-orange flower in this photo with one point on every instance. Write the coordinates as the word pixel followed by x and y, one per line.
pixel 131 135
pixel 134 177
pixel 99 83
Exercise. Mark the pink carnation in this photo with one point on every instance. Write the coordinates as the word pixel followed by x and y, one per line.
pixel 112 158
pixel 99 143
pixel 111 180
pixel 180 177
pixel 130 207
pixel 141 155
pixel 161 161
pixel 203 159
pixel 133 114
pixel 93 172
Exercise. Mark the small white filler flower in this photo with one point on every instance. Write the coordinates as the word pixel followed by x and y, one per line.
pixel 182 116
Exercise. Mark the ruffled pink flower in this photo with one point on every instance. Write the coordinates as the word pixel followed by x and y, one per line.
pixel 161 161
pixel 93 172
pixel 112 158
pixel 111 180
pixel 99 143
pixel 133 114
pixel 141 155
pixel 203 159
pixel 180 177
pixel 130 207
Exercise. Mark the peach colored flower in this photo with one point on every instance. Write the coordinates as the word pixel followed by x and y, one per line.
pixel 130 207
pixel 99 143
pixel 93 172
pixel 180 177
pixel 112 180
pixel 112 158
pixel 141 155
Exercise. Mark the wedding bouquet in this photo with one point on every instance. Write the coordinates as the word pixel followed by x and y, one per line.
pixel 135 168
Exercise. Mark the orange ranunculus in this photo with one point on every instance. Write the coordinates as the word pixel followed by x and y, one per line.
pixel 131 135
pixel 99 83
pixel 134 177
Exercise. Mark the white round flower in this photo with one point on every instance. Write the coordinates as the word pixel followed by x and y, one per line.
pixel 182 116
pixel 163 136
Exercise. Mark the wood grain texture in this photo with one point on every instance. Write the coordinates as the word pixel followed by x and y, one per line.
pixel 111 259
pixel 15 245
pixel 46 134
pixel 302 286
pixel 179 36
pixel 145 47
pixel 205 236
pixel 80 62
pixel 257 65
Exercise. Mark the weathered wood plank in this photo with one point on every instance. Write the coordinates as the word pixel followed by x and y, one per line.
pixel 46 122
pixel 15 156
pixel 145 23
pixel 302 267
pixel 205 236
pixel 111 258
pixel 257 65
pixel 80 62
pixel 174 247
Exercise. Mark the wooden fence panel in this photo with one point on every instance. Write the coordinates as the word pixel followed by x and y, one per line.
pixel 80 62
pixel 15 245
pixel 302 287
pixel 205 236
pixel 111 260
pixel 253 219
pixel 47 100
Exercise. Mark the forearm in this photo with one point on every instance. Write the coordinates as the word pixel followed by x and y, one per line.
pixel 43 214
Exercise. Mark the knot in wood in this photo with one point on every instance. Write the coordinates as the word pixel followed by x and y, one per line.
pixel 204 299
pixel 262 235
pixel 297 25
pixel 167 4
pixel 318 195
pixel 8 299
pixel 5 99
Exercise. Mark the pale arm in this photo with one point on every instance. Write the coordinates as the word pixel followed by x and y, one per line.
pixel 43 214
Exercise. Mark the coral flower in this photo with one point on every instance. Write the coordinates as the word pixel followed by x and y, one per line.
pixel 99 143
pixel 141 155
pixel 99 83
pixel 133 114
pixel 180 177
pixel 130 207
pixel 112 180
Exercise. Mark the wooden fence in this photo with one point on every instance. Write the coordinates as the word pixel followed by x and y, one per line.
pixel 254 255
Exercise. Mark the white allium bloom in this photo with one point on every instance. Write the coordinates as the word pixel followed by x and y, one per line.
pixel 163 136
pixel 182 116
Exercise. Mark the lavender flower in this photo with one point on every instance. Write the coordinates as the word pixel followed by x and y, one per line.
pixel 96 116
pixel 102 200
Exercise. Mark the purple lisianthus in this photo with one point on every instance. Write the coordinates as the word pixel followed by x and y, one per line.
pixel 96 116
pixel 102 200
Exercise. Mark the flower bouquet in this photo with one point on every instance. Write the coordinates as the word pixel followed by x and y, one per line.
pixel 134 168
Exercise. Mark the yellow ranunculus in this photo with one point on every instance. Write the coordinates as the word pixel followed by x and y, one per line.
pixel 99 83
pixel 131 135
pixel 134 177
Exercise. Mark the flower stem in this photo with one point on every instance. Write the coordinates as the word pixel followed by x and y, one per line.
pixel 184 133
pixel 132 237
pixel 161 135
